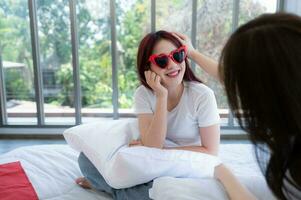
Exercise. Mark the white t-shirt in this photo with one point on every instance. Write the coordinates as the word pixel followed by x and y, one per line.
pixel 196 108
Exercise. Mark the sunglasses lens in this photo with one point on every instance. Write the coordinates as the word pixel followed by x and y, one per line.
pixel 179 56
pixel 161 61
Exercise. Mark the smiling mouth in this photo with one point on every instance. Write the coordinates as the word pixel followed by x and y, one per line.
pixel 173 74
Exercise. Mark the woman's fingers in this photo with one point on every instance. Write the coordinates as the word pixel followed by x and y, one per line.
pixel 180 36
pixel 147 74
pixel 151 78
pixel 180 39
pixel 148 77
pixel 185 40
pixel 154 81
pixel 158 80
pixel 135 143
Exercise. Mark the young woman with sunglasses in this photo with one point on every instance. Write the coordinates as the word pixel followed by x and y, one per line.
pixel 172 103
pixel 260 67
pixel 175 109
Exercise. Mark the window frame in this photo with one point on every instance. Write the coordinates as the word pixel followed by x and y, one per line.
pixel 79 113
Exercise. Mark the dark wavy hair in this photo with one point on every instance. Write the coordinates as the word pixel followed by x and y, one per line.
pixel 260 67
pixel 146 48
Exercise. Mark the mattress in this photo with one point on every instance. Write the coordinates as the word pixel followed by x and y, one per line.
pixel 52 170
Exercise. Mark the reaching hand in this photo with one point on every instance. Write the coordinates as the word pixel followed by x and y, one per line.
pixel 154 81
pixel 185 40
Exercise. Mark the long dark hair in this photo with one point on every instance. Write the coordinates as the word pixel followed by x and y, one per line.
pixel 260 67
pixel 146 48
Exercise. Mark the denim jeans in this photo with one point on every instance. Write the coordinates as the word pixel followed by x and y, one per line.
pixel 138 192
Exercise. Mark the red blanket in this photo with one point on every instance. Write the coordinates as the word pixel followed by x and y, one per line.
pixel 14 184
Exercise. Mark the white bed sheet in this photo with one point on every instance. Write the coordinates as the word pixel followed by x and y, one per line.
pixel 52 170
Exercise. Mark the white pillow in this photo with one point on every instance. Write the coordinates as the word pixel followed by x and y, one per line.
pixel 166 188
pixel 105 143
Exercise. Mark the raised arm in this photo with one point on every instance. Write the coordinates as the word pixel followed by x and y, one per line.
pixel 206 63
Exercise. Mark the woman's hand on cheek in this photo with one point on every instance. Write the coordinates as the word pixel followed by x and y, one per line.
pixel 154 81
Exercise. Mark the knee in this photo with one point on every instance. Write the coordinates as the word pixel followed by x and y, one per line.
pixel 84 163
pixel 82 158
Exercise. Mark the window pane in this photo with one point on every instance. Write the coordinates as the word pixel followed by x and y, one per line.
pixel 133 23
pixel 293 6
pixel 95 60
pixel 214 22
pixel 15 48
pixel 56 64
pixel 174 15
pixel 250 9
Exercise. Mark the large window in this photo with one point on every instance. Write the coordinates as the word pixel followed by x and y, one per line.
pixel 17 93
pixel 107 38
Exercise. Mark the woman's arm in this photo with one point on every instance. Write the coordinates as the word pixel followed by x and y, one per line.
pixel 200 149
pixel 153 127
pixel 210 137
pixel 206 63
pixel 235 190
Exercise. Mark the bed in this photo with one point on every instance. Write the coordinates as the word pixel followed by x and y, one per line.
pixel 52 170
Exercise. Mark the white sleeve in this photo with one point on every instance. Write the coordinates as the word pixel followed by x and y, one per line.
pixel 207 112
pixel 142 103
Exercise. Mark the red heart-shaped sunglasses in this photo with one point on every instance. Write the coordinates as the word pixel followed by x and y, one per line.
pixel 177 55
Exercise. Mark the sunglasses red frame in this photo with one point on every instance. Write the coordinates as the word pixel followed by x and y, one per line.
pixel 153 57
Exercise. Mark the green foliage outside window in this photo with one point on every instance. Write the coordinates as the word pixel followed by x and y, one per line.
pixel 133 22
